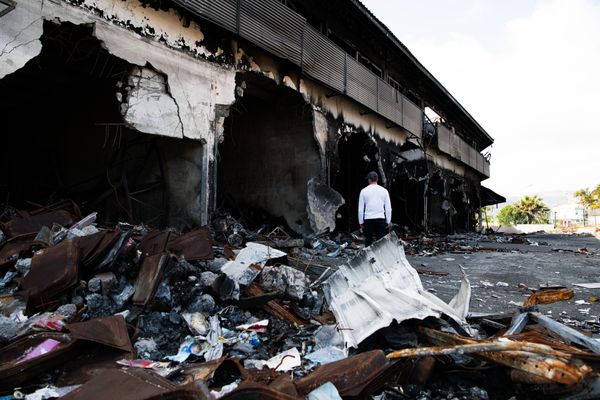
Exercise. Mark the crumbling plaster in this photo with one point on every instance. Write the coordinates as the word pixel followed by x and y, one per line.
pixel 20 31
pixel 160 40
pixel 196 87
pixel 148 107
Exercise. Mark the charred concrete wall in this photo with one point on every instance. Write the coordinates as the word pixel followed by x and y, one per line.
pixel 181 83
pixel 269 154
pixel 170 92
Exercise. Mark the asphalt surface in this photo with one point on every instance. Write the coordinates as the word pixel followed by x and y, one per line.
pixel 496 274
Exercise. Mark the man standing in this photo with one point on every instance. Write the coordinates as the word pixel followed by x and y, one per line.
pixel 374 209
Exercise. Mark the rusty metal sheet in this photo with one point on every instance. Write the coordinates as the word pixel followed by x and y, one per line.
pixel 538 334
pixel 27 223
pixel 561 369
pixel 352 376
pixel 155 242
pixel 183 394
pixel 13 373
pixel 256 391
pixel 274 307
pixel 54 271
pixel 548 297
pixel 478 347
pixel 149 277
pixel 108 331
pixel 10 250
pixel 194 246
pixel 94 247
pixel 220 371
pixel 530 379
pixel 284 384
pixel 131 384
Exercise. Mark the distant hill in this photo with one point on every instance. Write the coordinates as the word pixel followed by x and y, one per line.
pixel 551 198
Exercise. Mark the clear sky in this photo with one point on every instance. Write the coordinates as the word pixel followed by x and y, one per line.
pixel 527 70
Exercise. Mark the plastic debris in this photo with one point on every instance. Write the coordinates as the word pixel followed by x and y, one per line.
pixel 327 391
pixel 46 346
pixel 258 326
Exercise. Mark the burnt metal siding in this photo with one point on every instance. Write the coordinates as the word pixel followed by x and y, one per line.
pixel 453 145
pixel 465 153
pixel 221 12
pixel 323 60
pixel 281 31
pixel 412 117
pixel 274 27
pixel 486 168
pixel 444 136
pixel 473 157
pixel 388 104
pixel 361 83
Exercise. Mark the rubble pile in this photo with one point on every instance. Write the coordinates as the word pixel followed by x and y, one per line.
pixel 134 312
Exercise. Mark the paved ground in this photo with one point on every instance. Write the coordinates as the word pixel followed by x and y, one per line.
pixel 495 275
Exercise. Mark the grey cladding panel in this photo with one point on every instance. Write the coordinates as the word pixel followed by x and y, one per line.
pixel 221 12
pixel 479 163
pixel 412 117
pixel 273 26
pixel 361 83
pixel 455 149
pixel 465 153
pixel 444 139
pixel 388 102
pixel 486 168
pixel 473 157
pixel 322 59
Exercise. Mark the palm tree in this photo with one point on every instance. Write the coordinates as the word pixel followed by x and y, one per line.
pixel 533 209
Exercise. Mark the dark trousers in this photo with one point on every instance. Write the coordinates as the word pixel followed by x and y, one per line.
pixel 374 227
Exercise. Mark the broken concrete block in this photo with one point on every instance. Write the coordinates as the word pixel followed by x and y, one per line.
pixel 207 278
pixel 216 264
pixel 67 310
pixel 121 298
pixel 204 303
pixel 104 281
pixel 149 106
pixel 163 294
pixel 94 301
pixel 94 285
pixel 284 279
pixel 8 329
pixel 323 203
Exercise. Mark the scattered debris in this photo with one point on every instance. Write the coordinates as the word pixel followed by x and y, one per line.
pixel 91 312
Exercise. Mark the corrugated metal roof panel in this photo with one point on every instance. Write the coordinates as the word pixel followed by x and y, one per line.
pixel 388 102
pixel 221 12
pixel 412 117
pixel 444 139
pixel 322 59
pixel 465 153
pixel 473 157
pixel 361 83
pixel 273 26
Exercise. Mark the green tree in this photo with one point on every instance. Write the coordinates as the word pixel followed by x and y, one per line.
pixel 509 215
pixel 528 210
pixel 533 209
pixel 589 198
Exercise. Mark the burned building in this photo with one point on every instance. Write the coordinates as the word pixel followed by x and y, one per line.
pixel 165 111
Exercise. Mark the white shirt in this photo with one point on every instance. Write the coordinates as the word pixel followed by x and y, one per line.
pixel 374 202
